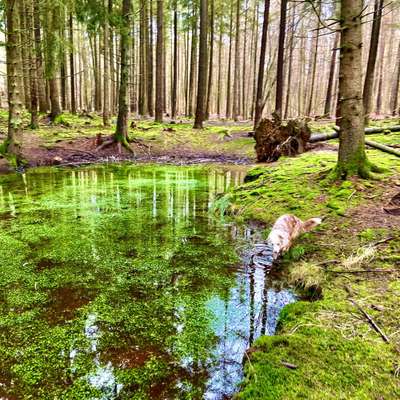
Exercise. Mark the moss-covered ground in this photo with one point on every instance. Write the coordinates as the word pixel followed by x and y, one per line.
pixel 326 348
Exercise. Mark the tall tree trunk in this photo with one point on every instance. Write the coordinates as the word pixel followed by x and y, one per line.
pixel 280 61
pixel 210 65
pixel 352 159
pixel 290 66
pixel 14 132
pixel 193 64
pixel 32 64
pixel 254 35
pixel 236 85
pixel 259 103
pixel 176 62
pixel 314 61
pixel 159 62
pixel 373 49
pixel 43 106
pixel 329 91
pixel 149 46
pixel 24 53
pixel 106 77
pixel 113 102
pixel 394 92
pixel 143 60
pixel 219 85
pixel 244 63
pixel 380 79
pixel 202 74
pixel 72 64
pixel 52 60
pixel 228 85
pixel 121 133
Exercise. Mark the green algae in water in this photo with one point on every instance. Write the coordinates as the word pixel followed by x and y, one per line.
pixel 117 282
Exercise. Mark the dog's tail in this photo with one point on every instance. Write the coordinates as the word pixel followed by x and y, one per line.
pixel 310 224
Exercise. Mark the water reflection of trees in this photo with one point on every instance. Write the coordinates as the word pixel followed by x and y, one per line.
pixel 141 241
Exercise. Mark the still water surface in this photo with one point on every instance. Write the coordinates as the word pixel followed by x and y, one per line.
pixel 117 282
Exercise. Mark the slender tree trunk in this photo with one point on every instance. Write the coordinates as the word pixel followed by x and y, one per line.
pixel 159 62
pixel 176 62
pixel 32 64
pixel 314 62
pixel 219 85
pixel 143 60
pixel 259 104
pixel 72 64
pixel 352 159
pixel 244 64
pixel 202 74
pixel 380 79
pixel 255 53
pixel 210 65
pixel 121 133
pixel 149 46
pixel 394 92
pixel 113 102
pixel 373 49
pixel 193 65
pixel 24 53
pixel 43 106
pixel 290 66
pixel 228 86
pixel 236 85
pixel 280 61
pixel 106 77
pixel 15 128
pixel 329 91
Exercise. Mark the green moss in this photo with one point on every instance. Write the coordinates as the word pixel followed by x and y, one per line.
pixel 328 367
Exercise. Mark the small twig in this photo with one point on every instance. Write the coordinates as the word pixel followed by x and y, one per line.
pixel 289 365
pixel 361 271
pixel 251 365
pixel 388 239
pixel 367 316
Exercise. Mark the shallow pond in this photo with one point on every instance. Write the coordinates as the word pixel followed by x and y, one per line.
pixel 117 282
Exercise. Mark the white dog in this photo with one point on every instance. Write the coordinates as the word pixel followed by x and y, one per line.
pixel 286 229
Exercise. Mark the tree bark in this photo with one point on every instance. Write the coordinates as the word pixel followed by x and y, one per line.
pixel 228 85
pixel 176 62
pixel 352 159
pixel 236 84
pixel 14 132
pixel 149 46
pixel 394 92
pixel 72 64
pixel 159 62
pixel 202 74
pixel 106 77
pixel 373 49
pixel 329 91
pixel 210 65
pixel 280 61
pixel 121 133
pixel 259 104
pixel 43 106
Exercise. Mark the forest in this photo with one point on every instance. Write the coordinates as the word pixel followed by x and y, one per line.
pixel 199 199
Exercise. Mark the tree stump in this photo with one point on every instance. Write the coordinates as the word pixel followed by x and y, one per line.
pixel 273 139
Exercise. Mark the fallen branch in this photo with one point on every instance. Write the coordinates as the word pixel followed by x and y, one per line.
pixel 382 147
pixel 361 271
pixel 289 365
pixel 321 137
pixel 367 316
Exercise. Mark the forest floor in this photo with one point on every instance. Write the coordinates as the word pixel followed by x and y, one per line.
pixel 325 346
pixel 72 140
pixel 349 267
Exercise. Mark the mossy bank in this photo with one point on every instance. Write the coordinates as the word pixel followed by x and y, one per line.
pixel 326 348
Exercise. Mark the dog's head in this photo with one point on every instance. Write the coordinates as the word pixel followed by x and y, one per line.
pixel 310 224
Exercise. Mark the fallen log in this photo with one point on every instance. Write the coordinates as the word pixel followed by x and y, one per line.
pixel 321 137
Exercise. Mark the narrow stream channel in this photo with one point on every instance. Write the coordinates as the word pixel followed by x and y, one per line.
pixel 118 283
